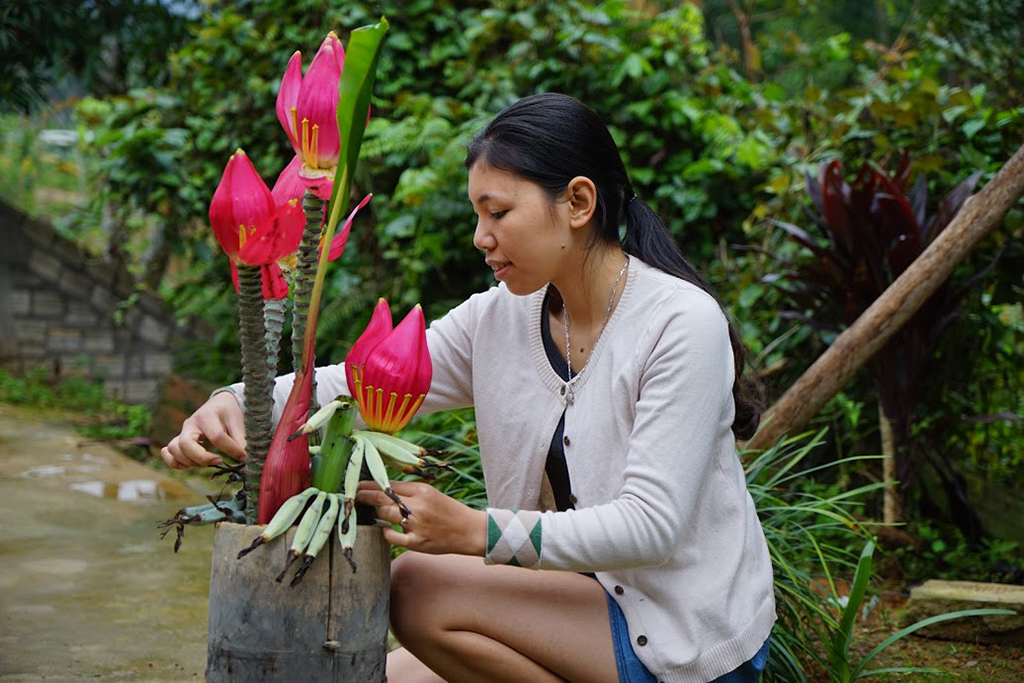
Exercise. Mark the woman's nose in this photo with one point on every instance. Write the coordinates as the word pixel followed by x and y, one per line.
pixel 482 238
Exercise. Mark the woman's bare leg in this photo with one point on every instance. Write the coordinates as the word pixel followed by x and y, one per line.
pixel 469 622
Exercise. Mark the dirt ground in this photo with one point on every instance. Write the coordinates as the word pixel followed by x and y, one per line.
pixel 87 588
pixel 971 663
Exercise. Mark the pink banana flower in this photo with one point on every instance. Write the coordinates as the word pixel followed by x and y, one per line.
pixel 249 225
pixel 389 370
pixel 307 107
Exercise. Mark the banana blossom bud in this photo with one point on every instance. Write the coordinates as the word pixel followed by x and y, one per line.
pixel 250 226
pixel 389 370
pixel 307 107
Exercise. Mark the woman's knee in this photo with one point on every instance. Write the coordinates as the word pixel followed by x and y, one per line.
pixel 412 575
pixel 421 585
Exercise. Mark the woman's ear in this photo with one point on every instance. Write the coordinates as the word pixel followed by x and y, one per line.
pixel 581 194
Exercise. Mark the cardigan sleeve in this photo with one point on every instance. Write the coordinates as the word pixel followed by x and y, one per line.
pixel 683 421
pixel 449 340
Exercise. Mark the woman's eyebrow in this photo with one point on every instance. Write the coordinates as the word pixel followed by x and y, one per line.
pixel 486 197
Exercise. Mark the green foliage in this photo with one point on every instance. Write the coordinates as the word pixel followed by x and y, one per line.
pixel 107 44
pixel 717 143
pixel 842 668
pixel 106 418
pixel 945 553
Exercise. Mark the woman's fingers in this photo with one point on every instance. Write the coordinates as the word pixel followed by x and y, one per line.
pixel 374 497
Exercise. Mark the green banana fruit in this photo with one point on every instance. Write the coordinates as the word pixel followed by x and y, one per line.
pixel 352 472
pixel 320 536
pixel 371 457
pixel 347 534
pixel 305 532
pixel 404 456
pixel 285 516
pixel 322 416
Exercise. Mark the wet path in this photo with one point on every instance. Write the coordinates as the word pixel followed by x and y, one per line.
pixel 87 588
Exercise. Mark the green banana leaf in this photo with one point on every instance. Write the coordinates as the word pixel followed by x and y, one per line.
pixel 354 91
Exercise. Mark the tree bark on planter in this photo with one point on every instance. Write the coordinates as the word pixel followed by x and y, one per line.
pixel 333 626
pixel 859 342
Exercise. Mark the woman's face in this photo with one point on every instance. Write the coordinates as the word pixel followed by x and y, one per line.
pixel 521 231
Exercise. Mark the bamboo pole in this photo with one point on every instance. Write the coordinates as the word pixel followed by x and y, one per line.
pixel 859 342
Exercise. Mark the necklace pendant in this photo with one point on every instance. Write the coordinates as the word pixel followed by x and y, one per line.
pixel 570 396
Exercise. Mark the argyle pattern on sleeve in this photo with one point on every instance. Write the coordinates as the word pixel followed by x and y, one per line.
pixel 513 537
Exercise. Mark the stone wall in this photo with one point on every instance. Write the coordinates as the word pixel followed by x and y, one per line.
pixel 76 315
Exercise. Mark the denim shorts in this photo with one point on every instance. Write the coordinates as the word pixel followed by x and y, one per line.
pixel 632 670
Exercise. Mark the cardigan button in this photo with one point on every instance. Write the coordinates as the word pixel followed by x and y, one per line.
pixel 562 391
pixel 565 440
pixel 619 590
pixel 572 499
pixel 641 640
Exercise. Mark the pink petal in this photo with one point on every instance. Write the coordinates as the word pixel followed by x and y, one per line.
pixel 251 201
pixel 289 185
pixel 275 285
pixel 399 365
pixel 378 328
pixel 234 276
pixel 222 218
pixel 288 97
pixel 276 237
pixel 318 102
pixel 319 181
pixel 341 239
pixel 242 200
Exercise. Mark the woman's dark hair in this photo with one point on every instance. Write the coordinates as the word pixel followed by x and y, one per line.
pixel 552 138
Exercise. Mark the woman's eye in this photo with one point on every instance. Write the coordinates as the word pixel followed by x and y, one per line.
pixel 496 215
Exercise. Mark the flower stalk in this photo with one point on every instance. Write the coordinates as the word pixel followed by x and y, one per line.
pixel 305 273
pixel 258 382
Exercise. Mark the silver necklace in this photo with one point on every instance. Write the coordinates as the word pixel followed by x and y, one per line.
pixel 570 395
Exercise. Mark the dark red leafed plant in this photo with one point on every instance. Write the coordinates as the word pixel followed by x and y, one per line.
pixel 866 233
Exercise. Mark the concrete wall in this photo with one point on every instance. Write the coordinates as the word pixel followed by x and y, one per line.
pixel 67 311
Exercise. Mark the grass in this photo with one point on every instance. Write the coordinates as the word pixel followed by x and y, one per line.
pixel 968 662
pixel 82 403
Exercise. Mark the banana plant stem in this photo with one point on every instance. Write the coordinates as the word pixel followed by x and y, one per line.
pixel 258 382
pixel 305 272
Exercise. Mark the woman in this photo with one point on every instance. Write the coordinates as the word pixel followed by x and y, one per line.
pixel 608 392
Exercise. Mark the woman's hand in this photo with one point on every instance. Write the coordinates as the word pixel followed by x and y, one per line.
pixel 438 524
pixel 219 422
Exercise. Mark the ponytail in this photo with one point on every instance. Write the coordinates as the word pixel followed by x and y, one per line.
pixel 649 240
pixel 550 139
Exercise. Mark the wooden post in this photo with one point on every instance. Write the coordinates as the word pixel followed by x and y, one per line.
pixel 855 346
pixel 333 626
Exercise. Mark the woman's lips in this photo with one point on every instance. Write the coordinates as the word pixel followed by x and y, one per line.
pixel 500 268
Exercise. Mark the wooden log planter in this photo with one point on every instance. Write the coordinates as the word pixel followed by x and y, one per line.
pixel 330 627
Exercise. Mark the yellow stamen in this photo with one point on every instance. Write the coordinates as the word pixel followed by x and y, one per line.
pixel 390 412
pixel 415 406
pixel 243 236
pixel 368 402
pixel 295 122
pixel 379 403
pixel 305 140
pixel 315 144
pixel 358 381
